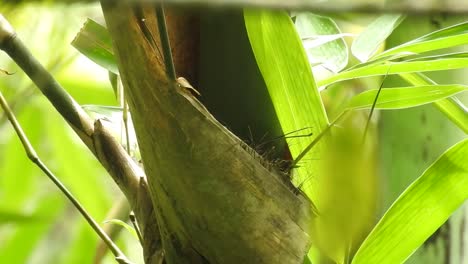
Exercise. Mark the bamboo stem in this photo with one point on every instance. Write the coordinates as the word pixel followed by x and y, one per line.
pixel 165 43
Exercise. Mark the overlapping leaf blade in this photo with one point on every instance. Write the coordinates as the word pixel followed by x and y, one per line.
pixel 420 210
pixel 445 38
pixel 404 97
pixel 289 81
pixel 332 54
pixel 437 63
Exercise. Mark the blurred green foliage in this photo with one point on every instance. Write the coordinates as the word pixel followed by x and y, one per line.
pixel 37 224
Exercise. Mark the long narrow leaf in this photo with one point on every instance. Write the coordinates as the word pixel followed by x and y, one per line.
pixel 288 77
pixel 404 97
pixel 445 38
pixel 426 64
pixel 368 41
pixel 420 210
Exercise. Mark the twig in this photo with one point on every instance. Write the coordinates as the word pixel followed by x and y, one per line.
pixel 138 11
pixel 126 175
pixel 125 172
pixel 316 140
pixel 32 155
pixel 135 225
pixel 14 47
pixel 125 121
pixel 374 103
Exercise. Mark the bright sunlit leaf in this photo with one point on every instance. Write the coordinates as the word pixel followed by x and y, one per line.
pixel 404 97
pixel 445 38
pixel 288 77
pixel 422 208
pixel 417 65
pixel 289 81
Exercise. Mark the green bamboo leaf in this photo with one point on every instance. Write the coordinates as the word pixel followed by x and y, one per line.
pixel 404 97
pixel 455 110
pixel 121 223
pixel 369 40
pixel 437 63
pixel 422 208
pixel 109 113
pixel 94 42
pixel 332 54
pixel 290 82
pixel 445 38
pixel 318 40
pixel 440 56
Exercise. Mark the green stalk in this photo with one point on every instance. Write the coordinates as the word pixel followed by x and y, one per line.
pixel 317 139
pixel 165 43
pixel 135 225
pixel 374 103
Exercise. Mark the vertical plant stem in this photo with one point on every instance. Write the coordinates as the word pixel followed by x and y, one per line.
pixel 316 140
pixel 374 103
pixel 165 43
pixel 135 225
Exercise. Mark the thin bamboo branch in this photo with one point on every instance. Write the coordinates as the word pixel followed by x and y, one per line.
pixel 119 210
pixel 125 172
pixel 374 103
pixel 135 225
pixel 166 46
pixel 128 179
pixel 32 155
